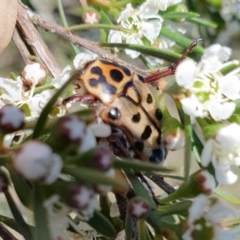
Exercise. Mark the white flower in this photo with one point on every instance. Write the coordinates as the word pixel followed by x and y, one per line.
pixel 94 130
pixel 208 92
pixel 36 161
pixel 156 5
pixel 11 91
pixel 223 151
pixel 58 220
pixel 38 102
pixel 144 24
pixel 81 59
pixel 34 74
pixel 62 78
pixel 205 217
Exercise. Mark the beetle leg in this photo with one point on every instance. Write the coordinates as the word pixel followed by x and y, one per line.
pixel 160 182
pixel 86 98
pixel 172 68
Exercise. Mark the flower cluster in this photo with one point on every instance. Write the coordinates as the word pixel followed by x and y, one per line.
pixel 209 93
pixel 145 25
pixel 205 218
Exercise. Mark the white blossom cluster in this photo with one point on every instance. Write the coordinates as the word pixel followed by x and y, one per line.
pixel 145 24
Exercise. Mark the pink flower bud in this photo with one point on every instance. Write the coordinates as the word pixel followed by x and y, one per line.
pixel 11 118
pixel 138 208
pixel 36 161
pixel 79 196
pixel 90 17
pixel 102 159
pixel 72 129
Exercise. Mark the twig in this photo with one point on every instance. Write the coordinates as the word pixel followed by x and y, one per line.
pixel 35 42
pixel 61 32
pixel 21 47
pixel 5 234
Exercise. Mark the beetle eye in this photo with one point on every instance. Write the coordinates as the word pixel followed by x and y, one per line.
pixel 114 114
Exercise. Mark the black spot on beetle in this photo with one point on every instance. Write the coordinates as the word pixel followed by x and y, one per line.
pixel 158 114
pixel 116 75
pixel 141 78
pixel 146 133
pixel 115 64
pixel 106 87
pixel 136 118
pixel 114 114
pixel 149 98
pixel 156 156
pixel 96 70
pixel 139 146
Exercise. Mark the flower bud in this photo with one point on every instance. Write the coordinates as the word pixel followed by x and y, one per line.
pixel 11 119
pixel 79 196
pixel 69 132
pixel 138 208
pixel 174 139
pixel 199 182
pixel 34 74
pixel 90 17
pixel 36 161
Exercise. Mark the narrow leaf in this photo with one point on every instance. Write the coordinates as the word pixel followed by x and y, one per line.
pixel 102 225
pixel 136 165
pixel 180 40
pixel 180 208
pixel 23 189
pixel 179 15
pixel 22 226
pixel 188 146
pixel 203 22
pixel 143 230
pixel 91 176
pixel 40 216
pixel 167 55
pixel 128 226
pixel 227 196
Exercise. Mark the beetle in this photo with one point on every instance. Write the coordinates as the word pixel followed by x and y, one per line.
pixel 128 105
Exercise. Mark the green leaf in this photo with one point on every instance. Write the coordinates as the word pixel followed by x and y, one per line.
pixel 143 230
pixel 10 222
pixel 98 26
pixel 203 22
pixel 40 215
pixel 128 226
pixel 167 55
pixel 179 15
pixel 188 146
pixel 180 40
pixel 102 225
pixel 23 228
pixel 47 109
pixel 231 66
pixel 154 216
pixel 91 176
pixel 180 208
pixel 136 165
pixel 227 196
pixel 23 189
pixel 104 18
